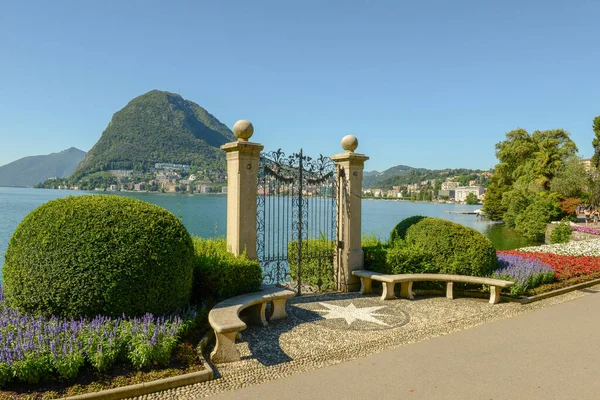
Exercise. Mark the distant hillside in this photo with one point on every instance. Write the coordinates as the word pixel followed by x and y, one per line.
pixel 158 127
pixel 30 171
pixel 404 175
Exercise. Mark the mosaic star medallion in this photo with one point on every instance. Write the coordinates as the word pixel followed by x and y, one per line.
pixel 347 312
pixel 350 313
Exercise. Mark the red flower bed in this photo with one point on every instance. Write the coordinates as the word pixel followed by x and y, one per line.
pixel 565 267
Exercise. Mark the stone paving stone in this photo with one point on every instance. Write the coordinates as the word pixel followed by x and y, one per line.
pixel 323 330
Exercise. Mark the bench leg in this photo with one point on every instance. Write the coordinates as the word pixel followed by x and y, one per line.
pixel 450 290
pixel 225 350
pixel 494 295
pixel 257 314
pixel 406 290
pixel 278 309
pixel 365 285
pixel 388 291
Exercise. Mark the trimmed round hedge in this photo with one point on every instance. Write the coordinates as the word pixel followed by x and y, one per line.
pixel 399 231
pixel 454 248
pixel 99 255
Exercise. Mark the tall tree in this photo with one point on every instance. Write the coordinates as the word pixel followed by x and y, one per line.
pixel 527 164
pixel 572 180
pixel 596 142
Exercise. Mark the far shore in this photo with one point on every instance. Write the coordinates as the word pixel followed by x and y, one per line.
pixel 225 194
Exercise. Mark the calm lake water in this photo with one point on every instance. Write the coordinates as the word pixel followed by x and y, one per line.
pixel 205 215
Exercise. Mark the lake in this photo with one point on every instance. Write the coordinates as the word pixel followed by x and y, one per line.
pixel 206 215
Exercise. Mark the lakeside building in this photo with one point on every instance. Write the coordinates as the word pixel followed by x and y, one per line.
pixel 450 193
pixel 203 189
pixel 171 167
pixel 461 192
pixel 449 185
pixel 412 187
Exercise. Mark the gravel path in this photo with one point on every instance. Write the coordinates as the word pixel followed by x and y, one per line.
pixel 329 329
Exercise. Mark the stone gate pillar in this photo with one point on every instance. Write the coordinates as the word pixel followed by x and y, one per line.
pixel 242 176
pixel 350 256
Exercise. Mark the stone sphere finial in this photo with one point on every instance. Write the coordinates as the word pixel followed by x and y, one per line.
pixel 349 143
pixel 243 130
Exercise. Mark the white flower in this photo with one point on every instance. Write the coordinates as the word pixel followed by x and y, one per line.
pixel 579 248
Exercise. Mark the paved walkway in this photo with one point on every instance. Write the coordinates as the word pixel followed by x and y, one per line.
pixel 350 346
pixel 550 353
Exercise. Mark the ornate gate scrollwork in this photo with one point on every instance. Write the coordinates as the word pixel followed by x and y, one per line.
pixel 296 220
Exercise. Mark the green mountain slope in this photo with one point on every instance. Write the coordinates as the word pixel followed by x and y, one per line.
pixel 158 127
pixel 30 171
pixel 404 175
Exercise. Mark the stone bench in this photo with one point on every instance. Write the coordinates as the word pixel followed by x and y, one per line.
pixel 225 319
pixel 406 281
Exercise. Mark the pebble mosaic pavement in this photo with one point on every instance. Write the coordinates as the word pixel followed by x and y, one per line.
pixel 323 330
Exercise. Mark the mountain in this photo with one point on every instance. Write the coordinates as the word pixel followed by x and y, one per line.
pixel 158 127
pixel 30 171
pixel 403 175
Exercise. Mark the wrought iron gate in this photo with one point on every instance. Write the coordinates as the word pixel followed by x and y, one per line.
pixel 296 220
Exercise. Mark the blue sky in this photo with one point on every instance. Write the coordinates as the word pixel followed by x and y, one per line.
pixel 431 84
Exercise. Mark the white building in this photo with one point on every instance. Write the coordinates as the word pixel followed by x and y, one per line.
pixel 461 192
pixel 449 185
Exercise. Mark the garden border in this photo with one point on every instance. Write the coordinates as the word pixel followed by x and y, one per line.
pixel 159 385
pixel 557 292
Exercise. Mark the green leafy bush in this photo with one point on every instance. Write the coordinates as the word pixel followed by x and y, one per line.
pixel 375 253
pixel 409 260
pixel 531 223
pixel 91 255
pixel 399 231
pixel 562 232
pixel 453 248
pixel 219 274
pixel 317 263
pixel 396 259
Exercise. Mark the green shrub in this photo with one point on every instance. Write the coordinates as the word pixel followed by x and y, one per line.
pixel 409 260
pixel 399 231
pixel 531 223
pixel 317 263
pixel 561 232
pixel 396 259
pixel 453 248
pixel 219 274
pixel 90 255
pixel 375 253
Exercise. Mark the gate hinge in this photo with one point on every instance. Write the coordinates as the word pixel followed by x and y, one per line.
pixel 340 244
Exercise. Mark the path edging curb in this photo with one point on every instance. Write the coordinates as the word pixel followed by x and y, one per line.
pixel 553 293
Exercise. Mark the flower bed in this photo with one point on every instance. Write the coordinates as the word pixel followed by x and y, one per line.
pixel 526 272
pixel 564 266
pixel 36 348
pixel 585 229
pixel 567 260
pixel 584 248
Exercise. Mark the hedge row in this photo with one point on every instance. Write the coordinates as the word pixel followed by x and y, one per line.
pixel 219 274
pixel 95 255
pixel 99 255
pixel 431 245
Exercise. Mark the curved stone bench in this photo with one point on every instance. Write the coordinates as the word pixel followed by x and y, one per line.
pixel 224 318
pixel 406 281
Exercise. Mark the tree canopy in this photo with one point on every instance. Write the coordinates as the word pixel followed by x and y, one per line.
pixel 528 164
pixel 596 142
